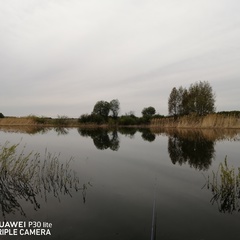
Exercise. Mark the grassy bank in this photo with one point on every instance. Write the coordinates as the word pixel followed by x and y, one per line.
pixel 194 121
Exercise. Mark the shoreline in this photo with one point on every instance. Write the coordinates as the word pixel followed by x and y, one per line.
pixel 211 121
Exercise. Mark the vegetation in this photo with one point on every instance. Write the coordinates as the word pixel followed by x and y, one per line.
pixel 194 121
pixel 1 115
pixel 225 187
pixel 115 107
pixel 61 120
pixel 188 108
pixel 102 109
pixel 25 176
pixel 148 112
pixel 230 113
pixel 198 99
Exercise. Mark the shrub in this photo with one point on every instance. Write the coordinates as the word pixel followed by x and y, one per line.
pixel 128 120
pixel 61 120
pixel 92 118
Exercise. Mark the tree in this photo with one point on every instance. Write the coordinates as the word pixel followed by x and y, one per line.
pixel 173 102
pixel 198 99
pixel 148 112
pixel 184 110
pixel 201 99
pixel 1 115
pixel 114 107
pixel 101 108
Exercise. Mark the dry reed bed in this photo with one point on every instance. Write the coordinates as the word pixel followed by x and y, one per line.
pixel 17 121
pixel 193 121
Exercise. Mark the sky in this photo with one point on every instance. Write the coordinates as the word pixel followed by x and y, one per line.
pixel 59 57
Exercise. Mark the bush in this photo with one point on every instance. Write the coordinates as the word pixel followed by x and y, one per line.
pixel 1 115
pixel 61 120
pixel 230 113
pixel 92 118
pixel 40 120
pixel 128 120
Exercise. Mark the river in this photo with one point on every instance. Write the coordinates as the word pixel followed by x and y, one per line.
pixel 102 184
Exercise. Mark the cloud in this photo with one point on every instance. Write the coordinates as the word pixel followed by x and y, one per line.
pixel 63 56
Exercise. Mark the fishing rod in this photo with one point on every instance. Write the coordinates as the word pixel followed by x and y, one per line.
pixel 154 215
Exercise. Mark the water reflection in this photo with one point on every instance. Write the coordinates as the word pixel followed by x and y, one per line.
pixel 147 135
pixel 225 187
pixel 28 177
pixel 102 138
pixel 197 151
pixel 128 132
pixel 61 130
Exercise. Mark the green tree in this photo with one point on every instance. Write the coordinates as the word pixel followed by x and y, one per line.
pixel 1 115
pixel 201 99
pixel 184 109
pixel 148 112
pixel 101 108
pixel 114 107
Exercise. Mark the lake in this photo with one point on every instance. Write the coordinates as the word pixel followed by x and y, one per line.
pixel 108 184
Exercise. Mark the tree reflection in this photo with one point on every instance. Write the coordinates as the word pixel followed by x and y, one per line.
pixel 102 138
pixel 198 152
pixel 225 187
pixel 128 132
pixel 61 130
pixel 27 176
pixel 147 135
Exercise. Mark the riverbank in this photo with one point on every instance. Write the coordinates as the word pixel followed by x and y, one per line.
pixel 212 121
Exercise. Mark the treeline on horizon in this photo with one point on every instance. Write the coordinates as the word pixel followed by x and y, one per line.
pixel 197 100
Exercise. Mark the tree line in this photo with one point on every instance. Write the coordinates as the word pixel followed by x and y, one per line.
pixel 108 112
pixel 198 99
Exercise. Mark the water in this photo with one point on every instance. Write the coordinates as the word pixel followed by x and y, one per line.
pixel 118 173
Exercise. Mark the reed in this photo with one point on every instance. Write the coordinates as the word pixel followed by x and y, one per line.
pixel 195 121
pixel 25 176
pixel 14 121
pixel 225 187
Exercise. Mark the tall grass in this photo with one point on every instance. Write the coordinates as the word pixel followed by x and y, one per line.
pixel 25 176
pixel 17 121
pixel 225 187
pixel 194 121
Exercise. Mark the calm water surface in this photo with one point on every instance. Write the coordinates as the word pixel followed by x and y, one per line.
pixel 115 176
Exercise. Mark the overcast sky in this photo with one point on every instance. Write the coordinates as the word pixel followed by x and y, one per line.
pixel 59 57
